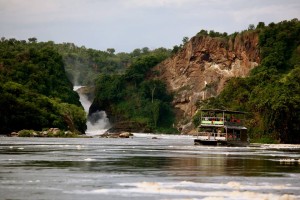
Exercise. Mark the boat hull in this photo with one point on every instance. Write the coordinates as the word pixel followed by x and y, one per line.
pixel 220 143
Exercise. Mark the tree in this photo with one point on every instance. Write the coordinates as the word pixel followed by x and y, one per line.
pixel 155 108
pixel 175 49
pixel 260 25
pixel 136 52
pixel 145 50
pixel 251 27
pixel 212 33
pixel 111 50
pixel 203 32
pixel 32 40
pixel 185 40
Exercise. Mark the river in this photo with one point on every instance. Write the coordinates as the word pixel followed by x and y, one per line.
pixel 169 167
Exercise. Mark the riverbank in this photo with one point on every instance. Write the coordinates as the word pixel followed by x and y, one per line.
pixel 51 132
pixel 57 133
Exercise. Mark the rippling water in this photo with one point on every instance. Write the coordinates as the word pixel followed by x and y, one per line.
pixel 169 167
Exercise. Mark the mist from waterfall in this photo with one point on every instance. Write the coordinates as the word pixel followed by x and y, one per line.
pixel 97 122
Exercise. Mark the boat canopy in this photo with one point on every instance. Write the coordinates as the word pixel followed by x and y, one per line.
pixel 223 111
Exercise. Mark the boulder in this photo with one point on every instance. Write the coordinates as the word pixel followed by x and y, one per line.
pixel 125 135
pixel 116 135
pixel 45 134
pixel 109 135
pixel 54 130
pixel 34 134
pixel 14 134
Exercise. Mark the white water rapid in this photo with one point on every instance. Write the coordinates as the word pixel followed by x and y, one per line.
pixel 98 122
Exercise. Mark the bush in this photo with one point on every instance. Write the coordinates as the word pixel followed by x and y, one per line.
pixel 26 133
pixel 264 140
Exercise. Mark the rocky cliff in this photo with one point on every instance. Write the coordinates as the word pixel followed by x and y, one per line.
pixel 202 67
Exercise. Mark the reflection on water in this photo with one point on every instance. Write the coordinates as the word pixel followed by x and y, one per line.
pixel 170 167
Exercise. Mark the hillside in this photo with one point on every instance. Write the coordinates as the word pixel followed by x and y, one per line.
pixel 35 92
pixel 202 67
pixel 256 71
pixel 271 94
pixel 83 65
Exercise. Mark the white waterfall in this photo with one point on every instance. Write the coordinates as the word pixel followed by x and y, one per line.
pixel 97 123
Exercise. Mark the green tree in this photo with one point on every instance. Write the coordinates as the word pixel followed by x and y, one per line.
pixel 251 27
pixel 202 32
pixel 111 50
pixel 145 50
pixel 185 40
pixel 260 25
pixel 33 40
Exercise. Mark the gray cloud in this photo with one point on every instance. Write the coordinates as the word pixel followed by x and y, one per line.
pixel 128 24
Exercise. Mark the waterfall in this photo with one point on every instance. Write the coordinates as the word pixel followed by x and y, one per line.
pixel 97 123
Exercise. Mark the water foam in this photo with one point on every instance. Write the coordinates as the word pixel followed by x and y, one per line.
pixel 230 190
pixel 97 123
pixel 89 159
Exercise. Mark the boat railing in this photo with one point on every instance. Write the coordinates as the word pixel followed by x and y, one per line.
pixel 212 121
pixel 219 121
pixel 210 135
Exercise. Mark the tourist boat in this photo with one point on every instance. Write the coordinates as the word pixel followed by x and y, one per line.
pixel 222 127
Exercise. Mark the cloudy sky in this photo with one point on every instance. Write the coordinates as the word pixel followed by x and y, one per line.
pixel 129 24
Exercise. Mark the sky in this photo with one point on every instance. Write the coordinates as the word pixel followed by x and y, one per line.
pixel 129 24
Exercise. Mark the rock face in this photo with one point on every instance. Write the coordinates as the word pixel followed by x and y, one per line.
pixel 202 68
pixel 116 135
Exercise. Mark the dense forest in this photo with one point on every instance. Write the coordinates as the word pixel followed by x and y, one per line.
pixel 121 85
pixel 35 92
pixel 82 65
pixel 135 99
pixel 271 94
pixel 37 78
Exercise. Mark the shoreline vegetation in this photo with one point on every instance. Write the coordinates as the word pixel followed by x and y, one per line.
pixel 57 133
pixel 37 78
pixel 51 132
